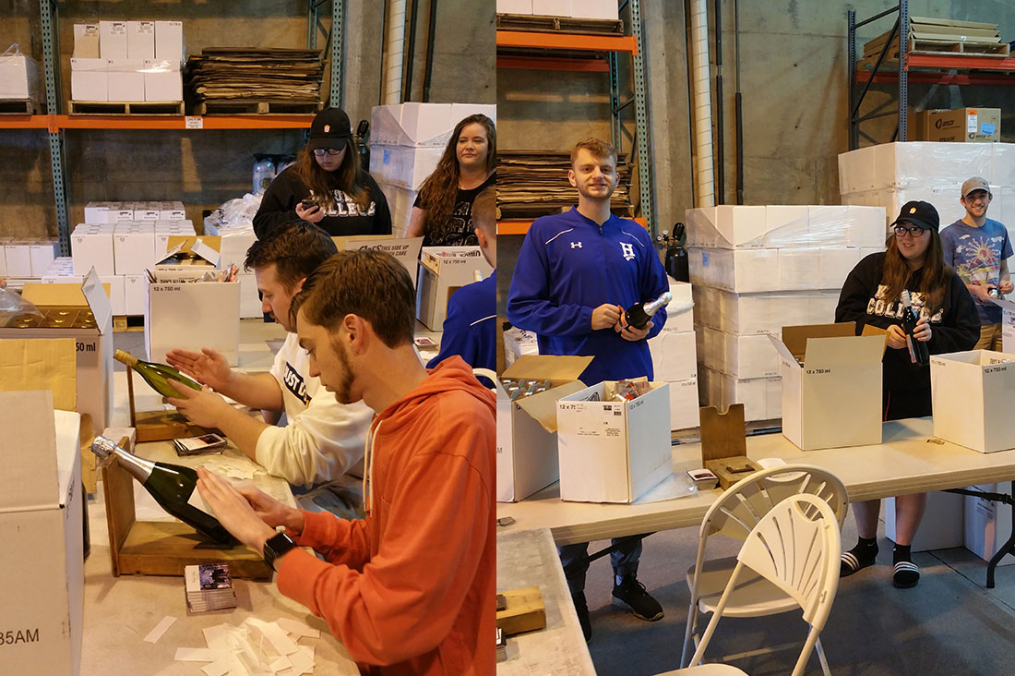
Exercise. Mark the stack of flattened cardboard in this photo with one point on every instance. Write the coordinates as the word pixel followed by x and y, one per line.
pixel 941 36
pixel 290 75
pixel 534 183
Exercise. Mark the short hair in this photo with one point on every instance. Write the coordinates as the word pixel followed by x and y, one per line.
pixel 484 211
pixel 368 283
pixel 598 148
pixel 297 249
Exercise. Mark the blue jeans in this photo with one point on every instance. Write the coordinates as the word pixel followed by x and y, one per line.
pixel 624 560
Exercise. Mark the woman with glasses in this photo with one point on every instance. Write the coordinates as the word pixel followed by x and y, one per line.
pixel 326 186
pixel 948 322
pixel 442 213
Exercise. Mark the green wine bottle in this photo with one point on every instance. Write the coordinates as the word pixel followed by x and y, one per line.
pixel 156 375
pixel 172 486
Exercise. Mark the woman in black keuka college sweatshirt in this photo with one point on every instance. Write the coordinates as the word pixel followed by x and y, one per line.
pixel 948 323
pixel 326 186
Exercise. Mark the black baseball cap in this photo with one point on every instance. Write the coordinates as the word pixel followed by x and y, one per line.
pixel 922 214
pixel 330 130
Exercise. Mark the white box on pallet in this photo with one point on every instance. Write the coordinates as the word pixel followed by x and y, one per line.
pixel 169 42
pixel 763 270
pixel 126 79
pixel 595 9
pixel 89 80
pixel 514 6
pixel 19 258
pixel 673 356
pixel 758 313
pixel 761 397
pixel 901 165
pixel 133 247
pixel 42 255
pixel 19 77
pixel 92 247
pixel 402 166
pixel 551 7
pixel 86 41
pixel 113 40
pixel 135 289
pixel 140 39
pixel 743 357
pixel 163 80
pixel 172 210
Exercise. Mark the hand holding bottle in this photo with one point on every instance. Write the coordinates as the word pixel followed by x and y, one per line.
pixel 207 366
pixel 896 337
pixel 922 331
pixel 203 408
pixel 233 510
pixel 632 334
pixel 606 316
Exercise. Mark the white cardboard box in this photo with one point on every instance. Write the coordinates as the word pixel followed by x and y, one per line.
pixel 443 270
pixel 404 249
pixel 403 166
pixel 527 428
pixel 140 39
pixel 89 80
pixel 135 290
pixel 673 355
pixel 86 41
pixel 972 399
pixel 117 301
pixel 163 81
pixel 595 9
pixel 743 357
pixel 514 6
pixel 832 399
pixel 250 302
pixel 757 313
pixel 94 346
pixel 761 397
pixel 19 258
pixel 552 7
pixel 986 524
pixel 684 404
pixel 133 248
pixel 680 310
pixel 40 522
pixel 113 39
pixel 126 80
pixel 613 451
pixel 1007 325
pixel 19 77
pixel 169 43
pixel 42 256
pixel 192 315
pixel 92 247
pixel 941 526
pixel 765 270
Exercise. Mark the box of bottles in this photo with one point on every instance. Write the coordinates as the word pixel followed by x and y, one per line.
pixel 831 385
pixel 971 393
pixel 84 314
pixel 443 271
pixel 527 421
pixel 182 311
pixel 41 521
pixel 611 448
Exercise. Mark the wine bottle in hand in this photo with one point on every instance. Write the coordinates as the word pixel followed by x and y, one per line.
pixel 918 352
pixel 174 487
pixel 639 314
pixel 156 375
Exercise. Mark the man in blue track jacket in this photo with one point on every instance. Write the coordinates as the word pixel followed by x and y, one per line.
pixel 576 274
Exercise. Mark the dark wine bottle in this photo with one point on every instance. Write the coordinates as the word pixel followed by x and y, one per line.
pixel 918 352
pixel 639 314
pixel 156 375
pixel 171 485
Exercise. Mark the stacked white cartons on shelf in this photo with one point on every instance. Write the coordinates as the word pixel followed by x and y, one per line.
pixel 673 357
pixel 756 269
pixel 406 143
pixel 575 9
pixel 61 271
pixel 891 174
pixel 236 239
pixel 91 246
pixel 130 61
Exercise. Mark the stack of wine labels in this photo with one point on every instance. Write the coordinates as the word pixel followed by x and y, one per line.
pixel 209 587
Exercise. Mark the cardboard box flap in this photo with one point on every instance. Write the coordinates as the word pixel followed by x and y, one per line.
pixel 542 407
pixel 68 446
pixel 98 298
pixel 844 350
pixel 869 330
pixel 47 363
pixel 205 247
pixel 784 354
pixel 68 295
pixel 29 479
pixel 547 367
pixel 342 243
pixel 1003 304
pixel 795 337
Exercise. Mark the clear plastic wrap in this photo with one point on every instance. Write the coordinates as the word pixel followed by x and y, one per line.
pixel 786 226
pixel 761 313
pixel 237 212
pixel 15 310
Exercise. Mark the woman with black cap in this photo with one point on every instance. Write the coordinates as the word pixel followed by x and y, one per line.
pixel 326 186
pixel 913 262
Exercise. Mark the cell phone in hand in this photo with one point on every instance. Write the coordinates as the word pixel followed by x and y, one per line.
pixel 309 204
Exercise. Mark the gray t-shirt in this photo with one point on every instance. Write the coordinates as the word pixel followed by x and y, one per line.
pixel 977 254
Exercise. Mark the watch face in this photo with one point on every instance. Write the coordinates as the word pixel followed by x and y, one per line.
pixel 275 547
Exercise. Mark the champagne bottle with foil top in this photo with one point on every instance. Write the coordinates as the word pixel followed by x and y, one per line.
pixel 639 314
pixel 174 487
pixel 918 351
pixel 156 375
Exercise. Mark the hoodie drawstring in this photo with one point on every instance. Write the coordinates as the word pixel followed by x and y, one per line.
pixel 368 476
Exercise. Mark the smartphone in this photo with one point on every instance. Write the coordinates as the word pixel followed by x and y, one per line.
pixel 309 204
pixel 206 443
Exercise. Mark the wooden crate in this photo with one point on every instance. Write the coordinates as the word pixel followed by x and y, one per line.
pixel 126 108
pixel 257 107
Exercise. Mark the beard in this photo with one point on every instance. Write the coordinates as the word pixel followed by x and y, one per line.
pixel 583 191
pixel 343 389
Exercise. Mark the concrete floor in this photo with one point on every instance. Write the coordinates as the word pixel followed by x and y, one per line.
pixel 949 624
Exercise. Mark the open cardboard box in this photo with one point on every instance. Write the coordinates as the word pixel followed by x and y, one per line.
pixel 186 251
pixel 612 451
pixel 831 385
pixel 1007 324
pixel 443 271
pixel 972 394
pixel 405 250
pixel 527 428
pixel 41 525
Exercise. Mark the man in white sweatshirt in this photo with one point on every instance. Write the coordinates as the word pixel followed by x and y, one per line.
pixel 323 440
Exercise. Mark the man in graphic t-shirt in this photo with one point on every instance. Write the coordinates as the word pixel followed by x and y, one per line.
pixel 322 443
pixel 978 248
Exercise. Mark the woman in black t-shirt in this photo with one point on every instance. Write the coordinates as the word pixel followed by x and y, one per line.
pixel 442 212
pixel 326 186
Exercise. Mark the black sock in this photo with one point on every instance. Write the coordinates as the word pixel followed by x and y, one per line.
pixel 907 573
pixel 860 556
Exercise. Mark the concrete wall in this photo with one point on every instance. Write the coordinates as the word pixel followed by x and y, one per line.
pixel 207 168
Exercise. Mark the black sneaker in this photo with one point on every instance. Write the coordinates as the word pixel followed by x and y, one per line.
pixel 631 594
pixel 582 609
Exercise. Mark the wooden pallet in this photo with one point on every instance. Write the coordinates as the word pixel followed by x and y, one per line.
pixel 938 37
pixel 126 108
pixel 17 107
pixel 257 107
pixel 559 24
pixel 128 323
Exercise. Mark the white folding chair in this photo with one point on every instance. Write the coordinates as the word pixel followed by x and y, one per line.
pixel 795 547
pixel 735 514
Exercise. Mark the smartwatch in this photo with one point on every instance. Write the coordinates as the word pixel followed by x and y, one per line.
pixel 276 546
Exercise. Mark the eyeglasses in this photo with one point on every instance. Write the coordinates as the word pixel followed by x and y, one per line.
pixel 913 230
pixel 321 152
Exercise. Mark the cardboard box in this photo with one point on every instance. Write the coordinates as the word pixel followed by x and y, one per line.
pixel 86 41
pixel 94 345
pixel 42 256
pixel 163 81
pixel 140 39
pixel 185 253
pixel 761 397
pixel 19 258
pixel 1007 325
pixel 743 357
pixel 169 43
pixel 684 404
pixel 115 286
pixel 673 356
pixel 89 80
pixel 527 428
pixel 595 9
pixel 551 7
pixel 40 521
pixel 406 250
pixel 613 451
pixel 19 77
pixel 971 394
pixel 400 201
pixel 98 213
pixel 187 314
pixel 969 125
pixel 767 270
pixel 757 313
pixel 133 248
pixel 250 301
pixel 135 290
pixel 404 167
pixel 856 171
pixel 941 526
pixel 679 311
pixel 514 6
pixel 92 247
pixel 444 270
pixel 113 40
pixel 172 210
pixel 126 81
pixel 831 386
pixel 910 164
pixel 986 524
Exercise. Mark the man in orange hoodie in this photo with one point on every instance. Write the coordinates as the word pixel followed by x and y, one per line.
pixel 410 588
